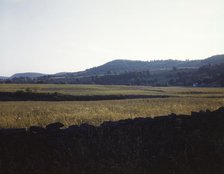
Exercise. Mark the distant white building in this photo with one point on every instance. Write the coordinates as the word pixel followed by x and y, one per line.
pixel 195 85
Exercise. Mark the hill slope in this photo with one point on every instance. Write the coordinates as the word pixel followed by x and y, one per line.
pixel 27 74
pixel 121 66
pixel 2 77
pixel 206 72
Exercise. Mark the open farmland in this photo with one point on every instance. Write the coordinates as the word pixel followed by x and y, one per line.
pixel 181 101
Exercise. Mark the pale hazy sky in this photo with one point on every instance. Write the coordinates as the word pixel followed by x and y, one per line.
pixel 51 36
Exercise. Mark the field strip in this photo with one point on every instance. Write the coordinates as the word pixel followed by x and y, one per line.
pixel 25 96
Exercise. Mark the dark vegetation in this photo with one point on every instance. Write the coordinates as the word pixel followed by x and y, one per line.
pixel 207 72
pixel 123 66
pixel 31 96
pixel 164 145
pixel 209 75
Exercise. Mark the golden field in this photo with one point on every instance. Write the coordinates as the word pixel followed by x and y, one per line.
pixel 181 101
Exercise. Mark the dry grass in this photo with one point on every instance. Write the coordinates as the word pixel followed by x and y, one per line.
pixel 113 90
pixel 25 114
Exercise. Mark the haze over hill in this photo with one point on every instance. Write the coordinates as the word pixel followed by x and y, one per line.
pixel 27 74
pixel 2 77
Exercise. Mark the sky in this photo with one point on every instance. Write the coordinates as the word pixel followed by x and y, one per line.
pixel 52 36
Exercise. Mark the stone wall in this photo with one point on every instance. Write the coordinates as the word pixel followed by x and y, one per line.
pixel 164 145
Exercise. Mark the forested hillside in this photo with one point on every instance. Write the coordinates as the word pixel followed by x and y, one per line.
pixel 206 72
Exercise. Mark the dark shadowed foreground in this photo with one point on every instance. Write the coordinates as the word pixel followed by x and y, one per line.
pixel 167 145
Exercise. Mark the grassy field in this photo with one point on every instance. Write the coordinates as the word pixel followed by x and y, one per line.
pixel 182 101
pixel 113 90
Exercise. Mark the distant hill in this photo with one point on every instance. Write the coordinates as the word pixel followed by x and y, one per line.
pixel 61 73
pixel 217 59
pixel 205 72
pixel 207 75
pixel 122 66
pixel 2 77
pixel 28 75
